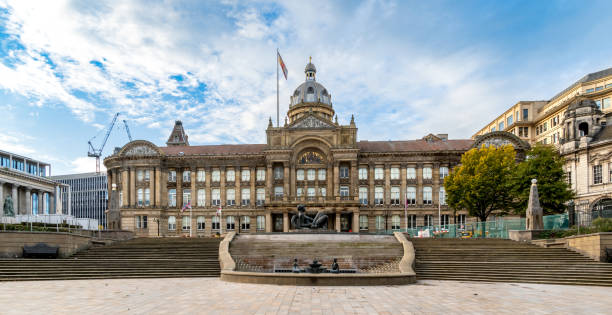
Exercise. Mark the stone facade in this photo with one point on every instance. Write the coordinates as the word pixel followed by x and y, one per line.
pixel 310 160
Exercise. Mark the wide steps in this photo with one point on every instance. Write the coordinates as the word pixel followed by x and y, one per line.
pixel 138 258
pixel 497 260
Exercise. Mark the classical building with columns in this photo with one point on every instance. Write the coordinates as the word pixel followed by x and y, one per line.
pixel 362 186
pixel 26 182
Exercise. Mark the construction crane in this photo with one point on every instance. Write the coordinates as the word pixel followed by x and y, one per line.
pixel 93 152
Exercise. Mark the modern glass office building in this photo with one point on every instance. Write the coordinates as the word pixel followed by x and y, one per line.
pixel 87 194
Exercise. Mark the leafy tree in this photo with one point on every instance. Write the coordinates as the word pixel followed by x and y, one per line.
pixel 546 165
pixel 480 184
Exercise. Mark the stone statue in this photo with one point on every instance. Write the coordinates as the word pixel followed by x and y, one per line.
pixel 8 207
pixel 302 221
pixel 534 211
pixel 334 266
pixel 296 268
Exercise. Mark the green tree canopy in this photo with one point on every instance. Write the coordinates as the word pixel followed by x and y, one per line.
pixel 481 184
pixel 546 165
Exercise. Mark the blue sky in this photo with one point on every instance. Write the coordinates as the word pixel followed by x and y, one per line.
pixel 403 68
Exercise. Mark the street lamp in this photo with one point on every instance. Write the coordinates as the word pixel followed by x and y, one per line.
pixel 157 220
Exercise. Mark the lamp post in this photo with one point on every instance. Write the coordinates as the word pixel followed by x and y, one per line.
pixel 157 220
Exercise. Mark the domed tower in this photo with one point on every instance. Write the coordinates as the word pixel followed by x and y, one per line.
pixel 582 120
pixel 310 96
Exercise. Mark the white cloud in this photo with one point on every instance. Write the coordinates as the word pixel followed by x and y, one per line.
pixel 16 143
pixel 85 165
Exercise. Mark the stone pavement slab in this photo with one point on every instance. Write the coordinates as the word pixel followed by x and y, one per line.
pixel 212 296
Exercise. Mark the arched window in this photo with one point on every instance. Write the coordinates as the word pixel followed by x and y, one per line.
pixel 311 157
pixel 310 95
pixel 583 129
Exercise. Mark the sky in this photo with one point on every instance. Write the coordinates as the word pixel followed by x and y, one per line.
pixel 404 69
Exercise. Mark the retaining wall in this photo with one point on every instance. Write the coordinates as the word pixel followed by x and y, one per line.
pixel 12 242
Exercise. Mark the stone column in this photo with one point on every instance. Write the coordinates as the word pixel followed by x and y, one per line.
pixel 222 187
pixel 356 221
pixel 1 199
pixel 194 192
pixel 15 196
pixel 253 190
pixel 337 221
pixel 330 181
pixel 268 221
pixel 58 200
pixel 208 192
pixel 69 203
pixel 179 192
pixel 371 185
pixel 269 189
pixel 403 185
pixel 419 190
pixel 387 185
pixel 293 181
pixel 435 179
pixel 152 190
pixel 336 180
pixel 28 201
pixel 41 202
pixel 125 190
pixel 286 181
pixel 237 182
pixel 285 221
pixel 132 201
pixel 354 189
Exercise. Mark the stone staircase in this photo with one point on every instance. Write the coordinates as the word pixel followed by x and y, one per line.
pixel 500 260
pixel 137 258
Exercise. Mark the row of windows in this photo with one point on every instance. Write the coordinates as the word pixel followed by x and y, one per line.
pixel 379 173
pixel 598 174
pixel 230 175
pixel 598 88
pixel 230 197
pixel 230 223
pixel 381 222
pixel 510 120
pixel 603 103
pixel 411 193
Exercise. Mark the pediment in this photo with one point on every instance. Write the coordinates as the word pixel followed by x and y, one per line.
pixel 139 148
pixel 311 122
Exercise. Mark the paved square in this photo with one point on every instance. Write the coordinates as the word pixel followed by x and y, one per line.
pixel 212 296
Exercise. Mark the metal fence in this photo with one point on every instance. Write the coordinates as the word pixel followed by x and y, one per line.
pixel 52 219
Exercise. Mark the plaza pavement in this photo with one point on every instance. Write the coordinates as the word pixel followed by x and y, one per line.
pixel 212 296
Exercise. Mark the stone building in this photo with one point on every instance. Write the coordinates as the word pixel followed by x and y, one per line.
pixel 312 160
pixel 26 181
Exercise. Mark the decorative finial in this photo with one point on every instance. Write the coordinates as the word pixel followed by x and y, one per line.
pixel 310 59
pixel 534 181
pixel 352 119
pixel 336 119
pixel 270 122
pixel 285 120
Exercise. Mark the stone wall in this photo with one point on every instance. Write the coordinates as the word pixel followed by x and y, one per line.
pixel 591 245
pixel 11 243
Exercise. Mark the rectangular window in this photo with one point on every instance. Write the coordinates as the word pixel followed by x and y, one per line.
pixel 186 197
pixel 444 220
pixel 597 178
pixel 598 103
pixel 395 195
pixel 230 175
pixel 230 223
pixel 428 220
pixel 363 222
pixel 147 196
pixel 344 172
pixel 310 174
pixel 460 221
pixel 322 173
pixel 201 176
pixel 525 114
pixel 379 195
pixel 201 223
pixel 501 126
pixel 608 85
pixel 216 176
pixel 278 192
pixel 605 103
pixel 590 90
pixel 215 223
pixel 245 175
pixel 363 173
pixel 139 175
pixel 545 126
pixel 186 223
pixel 171 197
pixel 322 191
pixel 261 223
pixel 344 191
pixel 201 197
pixel 442 196
pixel 299 191
pixel 411 195
pixel 395 222
pixel 395 173
pixel 492 129
pixel 509 120
pixel 215 197
pixel 261 196
pixel 299 174
pixel 245 223
pixel 427 173
pixel 171 223
pixel 427 195
pixel 411 221
pixel 598 88
pixel 380 222
pixel 379 173
pixel 230 196
pixel 310 193
pixel 261 174
pixel 363 195
pixel 245 196
pixel 411 173
pixel 172 176
pixel 278 172
pixel 140 197
pixel 186 176
pixel 443 172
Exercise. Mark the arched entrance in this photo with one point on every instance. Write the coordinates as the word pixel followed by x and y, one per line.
pixel 602 209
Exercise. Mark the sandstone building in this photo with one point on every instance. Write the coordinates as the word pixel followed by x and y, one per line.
pixel 577 122
pixel 312 160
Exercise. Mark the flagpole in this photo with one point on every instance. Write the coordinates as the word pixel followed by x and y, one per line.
pixel 406 213
pixel 190 221
pixel 277 99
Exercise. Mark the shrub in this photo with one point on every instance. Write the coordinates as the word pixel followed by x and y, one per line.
pixel 603 224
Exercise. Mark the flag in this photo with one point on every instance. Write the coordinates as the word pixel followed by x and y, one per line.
pixel 219 211
pixel 187 206
pixel 282 64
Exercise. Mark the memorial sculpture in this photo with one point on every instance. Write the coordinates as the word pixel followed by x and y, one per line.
pixel 302 221
pixel 335 268
pixel 8 207
pixel 535 214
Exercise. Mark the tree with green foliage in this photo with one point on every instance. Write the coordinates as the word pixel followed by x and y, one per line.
pixel 481 184
pixel 546 165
